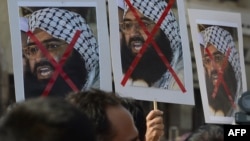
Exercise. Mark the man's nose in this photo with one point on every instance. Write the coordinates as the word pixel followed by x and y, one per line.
pixel 135 29
pixel 39 55
pixel 213 65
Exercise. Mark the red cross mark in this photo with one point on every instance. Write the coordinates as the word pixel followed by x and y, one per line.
pixel 58 66
pixel 220 77
pixel 148 40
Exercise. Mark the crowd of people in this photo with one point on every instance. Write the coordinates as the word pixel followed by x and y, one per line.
pixel 91 115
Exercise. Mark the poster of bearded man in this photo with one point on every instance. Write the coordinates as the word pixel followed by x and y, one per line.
pixel 61 49
pixel 218 47
pixel 150 50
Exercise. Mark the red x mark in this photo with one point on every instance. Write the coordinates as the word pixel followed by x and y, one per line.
pixel 148 40
pixel 220 77
pixel 58 66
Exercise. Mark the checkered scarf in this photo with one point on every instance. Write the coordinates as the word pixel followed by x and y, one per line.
pixel 153 9
pixel 223 40
pixel 63 24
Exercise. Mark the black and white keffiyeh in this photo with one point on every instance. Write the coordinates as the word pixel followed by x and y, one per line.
pixel 63 24
pixel 153 9
pixel 223 40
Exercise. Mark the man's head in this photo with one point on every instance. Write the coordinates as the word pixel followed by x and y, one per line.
pixel 218 43
pixel 167 38
pixel 208 132
pixel 56 34
pixel 112 121
pixel 45 119
pixel 138 113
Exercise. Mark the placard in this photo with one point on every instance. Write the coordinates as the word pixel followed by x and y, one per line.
pixel 150 52
pixel 62 50
pixel 218 47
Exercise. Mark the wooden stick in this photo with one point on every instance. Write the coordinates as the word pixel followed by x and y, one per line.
pixel 155 105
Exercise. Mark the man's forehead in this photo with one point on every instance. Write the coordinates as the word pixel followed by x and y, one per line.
pixel 129 15
pixel 38 30
pixel 41 35
pixel 211 49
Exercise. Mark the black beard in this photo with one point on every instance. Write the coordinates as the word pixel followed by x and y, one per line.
pixel 74 67
pixel 150 67
pixel 221 101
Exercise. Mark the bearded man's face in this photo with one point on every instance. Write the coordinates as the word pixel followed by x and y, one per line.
pixel 150 67
pixel 217 68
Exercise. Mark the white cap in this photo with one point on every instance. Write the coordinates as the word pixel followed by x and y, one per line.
pixel 23 22
pixel 121 3
pixel 200 39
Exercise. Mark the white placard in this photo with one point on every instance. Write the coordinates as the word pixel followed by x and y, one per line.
pixel 226 31
pixel 95 16
pixel 180 93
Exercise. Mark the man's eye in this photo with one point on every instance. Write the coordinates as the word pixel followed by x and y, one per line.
pixel 127 25
pixel 26 51
pixel 33 50
pixel 218 58
pixel 146 23
pixel 207 60
pixel 52 46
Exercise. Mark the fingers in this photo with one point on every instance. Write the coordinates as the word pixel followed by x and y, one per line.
pixel 157 121
pixel 153 113
pixel 155 125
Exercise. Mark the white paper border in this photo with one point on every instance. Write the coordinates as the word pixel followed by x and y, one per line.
pixel 219 18
pixel 150 94
pixel 102 36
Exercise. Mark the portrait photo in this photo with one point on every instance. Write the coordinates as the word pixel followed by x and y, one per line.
pixel 150 50
pixel 219 55
pixel 60 48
